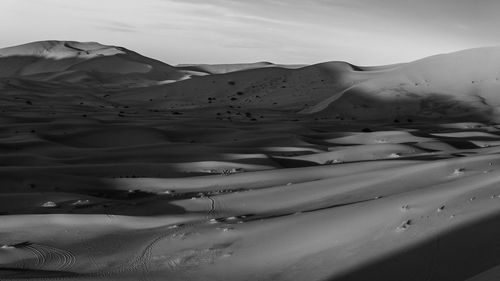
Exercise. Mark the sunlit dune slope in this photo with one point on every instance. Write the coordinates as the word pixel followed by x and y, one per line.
pixel 461 85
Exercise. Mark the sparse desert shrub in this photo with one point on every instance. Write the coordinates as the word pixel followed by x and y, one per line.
pixel 226 172
pixel 49 204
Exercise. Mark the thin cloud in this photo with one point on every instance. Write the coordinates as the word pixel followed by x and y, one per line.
pixel 118 26
pixel 118 29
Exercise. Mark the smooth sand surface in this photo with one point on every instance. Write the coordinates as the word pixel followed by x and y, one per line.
pixel 247 172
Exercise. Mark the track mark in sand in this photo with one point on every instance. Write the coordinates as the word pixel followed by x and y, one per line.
pixel 144 259
pixel 63 259
pixel 147 252
pixel 195 257
pixel 39 257
pixel 90 251
pixel 145 262
pixel 212 206
pixel 49 258
pixel 141 262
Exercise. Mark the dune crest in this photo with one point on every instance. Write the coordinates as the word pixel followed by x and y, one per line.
pixel 61 49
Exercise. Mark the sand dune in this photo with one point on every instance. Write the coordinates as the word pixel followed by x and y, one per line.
pixel 246 171
pixel 88 62
pixel 206 69
pixel 455 86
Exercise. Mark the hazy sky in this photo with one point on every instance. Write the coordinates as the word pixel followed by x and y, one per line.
pixel 363 32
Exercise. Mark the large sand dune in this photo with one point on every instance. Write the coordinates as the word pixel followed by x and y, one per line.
pixel 247 172
pixel 76 62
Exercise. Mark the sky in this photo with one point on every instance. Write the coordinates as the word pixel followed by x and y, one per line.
pixel 362 32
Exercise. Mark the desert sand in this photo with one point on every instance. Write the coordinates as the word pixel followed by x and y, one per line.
pixel 115 166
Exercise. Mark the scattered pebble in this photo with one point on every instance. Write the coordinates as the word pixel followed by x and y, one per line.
pixel 440 208
pixel 405 207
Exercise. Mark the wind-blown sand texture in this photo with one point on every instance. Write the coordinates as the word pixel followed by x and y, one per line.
pixel 114 166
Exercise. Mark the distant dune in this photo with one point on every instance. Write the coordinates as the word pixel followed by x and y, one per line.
pixel 458 85
pixel 454 86
pixel 227 68
pixel 115 166
pixel 76 62
pixel 451 86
